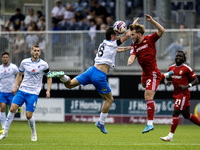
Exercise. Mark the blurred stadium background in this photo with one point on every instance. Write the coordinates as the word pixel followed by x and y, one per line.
pixel 73 50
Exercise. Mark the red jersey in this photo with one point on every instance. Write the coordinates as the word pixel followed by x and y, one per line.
pixel 146 53
pixel 182 74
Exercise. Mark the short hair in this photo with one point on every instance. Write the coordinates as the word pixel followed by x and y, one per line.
pixel 5 53
pixel 35 46
pixel 109 32
pixel 184 57
pixel 18 9
pixel 138 28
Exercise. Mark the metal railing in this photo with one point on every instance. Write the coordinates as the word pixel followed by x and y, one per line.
pixel 74 51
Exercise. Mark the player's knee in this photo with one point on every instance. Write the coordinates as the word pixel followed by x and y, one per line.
pixel 28 115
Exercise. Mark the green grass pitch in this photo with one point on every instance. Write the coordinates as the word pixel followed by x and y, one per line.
pixel 86 136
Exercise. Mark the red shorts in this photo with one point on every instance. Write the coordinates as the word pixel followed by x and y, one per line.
pixel 151 81
pixel 181 101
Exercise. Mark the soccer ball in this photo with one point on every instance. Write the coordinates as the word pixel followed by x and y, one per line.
pixel 119 27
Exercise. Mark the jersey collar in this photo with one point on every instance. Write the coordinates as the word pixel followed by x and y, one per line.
pixel 36 62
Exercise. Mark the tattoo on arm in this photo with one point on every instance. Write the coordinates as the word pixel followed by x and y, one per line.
pixel 125 49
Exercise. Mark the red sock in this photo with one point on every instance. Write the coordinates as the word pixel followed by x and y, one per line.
pixel 174 124
pixel 150 109
pixel 194 119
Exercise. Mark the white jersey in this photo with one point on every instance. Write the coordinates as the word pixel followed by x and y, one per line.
pixel 7 77
pixel 106 53
pixel 33 75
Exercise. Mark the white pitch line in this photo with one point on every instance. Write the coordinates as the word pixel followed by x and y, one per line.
pixel 132 144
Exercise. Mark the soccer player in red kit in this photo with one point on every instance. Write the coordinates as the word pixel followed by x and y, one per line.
pixel 144 48
pixel 182 74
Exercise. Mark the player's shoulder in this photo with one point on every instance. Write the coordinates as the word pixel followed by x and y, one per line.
pixel 26 60
pixel 42 62
pixel 187 67
pixel 172 66
pixel 13 65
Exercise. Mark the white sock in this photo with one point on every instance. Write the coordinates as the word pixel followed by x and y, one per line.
pixel 3 119
pixel 166 75
pixel 150 122
pixel 103 117
pixel 9 120
pixel 65 78
pixel 171 135
pixel 31 123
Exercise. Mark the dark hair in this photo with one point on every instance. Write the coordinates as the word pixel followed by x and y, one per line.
pixel 184 57
pixel 5 53
pixel 109 32
pixel 18 9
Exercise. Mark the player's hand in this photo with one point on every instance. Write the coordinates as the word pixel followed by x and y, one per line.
pixel 47 94
pixel 129 62
pixel 14 90
pixel 135 21
pixel 183 87
pixel 148 17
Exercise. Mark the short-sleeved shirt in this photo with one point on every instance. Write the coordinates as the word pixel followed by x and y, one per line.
pixel 182 74
pixel 146 53
pixel 16 20
pixel 7 77
pixel 106 53
pixel 33 75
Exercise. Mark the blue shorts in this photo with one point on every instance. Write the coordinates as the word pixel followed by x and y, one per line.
pixel 29 99
pixel 96 77
pixel 6 98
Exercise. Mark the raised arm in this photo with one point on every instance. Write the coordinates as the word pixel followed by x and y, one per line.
pixel 160 28
pixel 128 34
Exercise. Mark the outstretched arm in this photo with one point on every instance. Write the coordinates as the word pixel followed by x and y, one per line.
pixel 160 28
pixel 123 49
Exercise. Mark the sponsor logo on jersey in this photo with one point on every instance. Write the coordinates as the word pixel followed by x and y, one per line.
pixel 177 77
pixel 33 70
pixel 142 47
pixel 104 89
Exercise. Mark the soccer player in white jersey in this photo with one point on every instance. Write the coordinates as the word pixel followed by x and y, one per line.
pixel 29 89
pixel 8 72
pixel 96 75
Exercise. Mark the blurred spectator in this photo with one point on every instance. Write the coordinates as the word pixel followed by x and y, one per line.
pixel 30 18
pixel 41 44
pixel 78 16
pixel 69 14
pixel 16 20
pixel 181 43
pixel 92 29
pixel 39 15
pixel 18 49
pixel 99 21
pixel 30 40
pixel 103 27
pixel 4 40
pixel 98 11
pixel 41 24
pixel 34 26
pixel 109 21
pixel 57 12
